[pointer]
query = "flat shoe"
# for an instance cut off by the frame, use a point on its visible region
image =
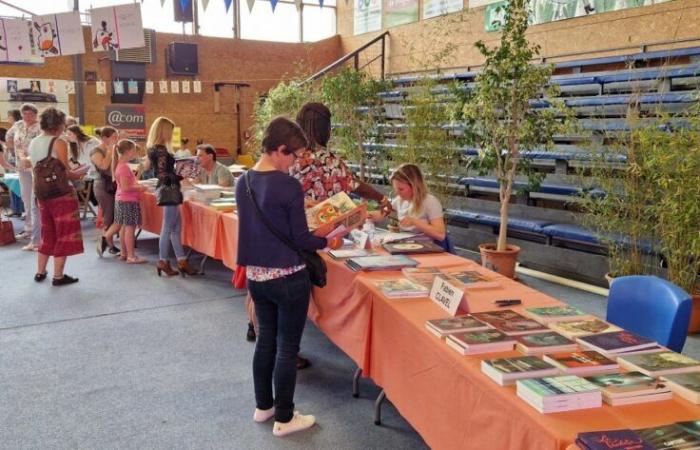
(65, 279)
(39, 277)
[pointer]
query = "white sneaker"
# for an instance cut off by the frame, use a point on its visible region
(298, 423)
(263, 415)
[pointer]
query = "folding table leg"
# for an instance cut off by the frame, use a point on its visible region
(356, 383)
(378, 408)
(201, 265)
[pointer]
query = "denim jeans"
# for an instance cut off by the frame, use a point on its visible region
(170, 233)
(280, 307)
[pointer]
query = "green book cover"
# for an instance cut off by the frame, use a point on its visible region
(546, 339)
(669, 437)
(655, 362)
(689, 381)
(626, 383)
(481, 337)
(556, 311)
(520, 364)
(562, 385)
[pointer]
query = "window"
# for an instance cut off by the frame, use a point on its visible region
(261, 24)
(215, 21)
(319, 23)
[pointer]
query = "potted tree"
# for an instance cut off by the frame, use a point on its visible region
(502, 121)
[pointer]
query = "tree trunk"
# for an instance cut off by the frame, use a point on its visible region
(505, 193)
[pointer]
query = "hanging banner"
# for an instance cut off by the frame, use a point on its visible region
(399, 12)
(116, 27)
(16, 42)
(129, 119)
(43, 93)
(367, 16)
(58, 34)
(434, 8)
(249, 2)
(228, 4)
(205, 3)
(118, 87)
(273, 3)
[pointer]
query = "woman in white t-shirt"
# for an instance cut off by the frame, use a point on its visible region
(418, 210)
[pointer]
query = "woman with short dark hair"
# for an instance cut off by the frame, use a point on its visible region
(105, 188)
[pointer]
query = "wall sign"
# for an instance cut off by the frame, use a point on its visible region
(129, 119)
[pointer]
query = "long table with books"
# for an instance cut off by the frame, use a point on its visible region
(445, 395)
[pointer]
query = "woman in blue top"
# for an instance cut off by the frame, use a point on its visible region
(277, 278)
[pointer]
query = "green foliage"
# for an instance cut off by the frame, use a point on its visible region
(499, 116)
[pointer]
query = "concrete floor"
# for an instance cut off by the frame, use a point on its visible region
(127, 360)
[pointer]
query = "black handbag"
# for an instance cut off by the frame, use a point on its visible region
(168, 194)
(315, 265)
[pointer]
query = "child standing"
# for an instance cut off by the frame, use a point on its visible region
(417, 209)
(127, 211)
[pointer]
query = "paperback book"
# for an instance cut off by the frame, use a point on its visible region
(580, 328)
(422, 275)
(333, 212)
(451, 325)
(510, 322)
(353, 252)
(506, 370)
(562, 393)
(546, 342)
(401, 288)
(187, 167)
(552, 314)
(616, 342)
(469, 279)
(669, 437)
(612, 440)
(381, 262)
(630, 387)
(485, 341)
(585, 362)
(659, 364)
(686, 385)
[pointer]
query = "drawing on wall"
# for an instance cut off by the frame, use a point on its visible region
(11, 86)
(117, 27)
(25, 90)
(58, 34)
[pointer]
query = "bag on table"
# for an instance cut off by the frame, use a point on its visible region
(51, 177)
(7, 232)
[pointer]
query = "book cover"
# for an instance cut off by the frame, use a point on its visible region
(521, 364)
(381, 262)
(480, 337)
(556, 386)
(669, 437)
(581, 359)
(457, 324)
(556, 313)
(410, 247)
(628, 384)
(660, 363)
(188, 167)
(401, 288)
(422, 275)
(691, 426)
(509, 321)
(616, 341)
(583, 327)
(612, 440)
(687, 385)
(544, 340)
(464, 276)
(342, 253)
(333, 212)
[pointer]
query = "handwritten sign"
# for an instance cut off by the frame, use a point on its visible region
(446, 295)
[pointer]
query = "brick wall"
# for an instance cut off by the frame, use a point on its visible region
(412, 46)
(261, 64)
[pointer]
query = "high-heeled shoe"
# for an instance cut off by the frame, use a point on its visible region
(164, 266)
(185, 268)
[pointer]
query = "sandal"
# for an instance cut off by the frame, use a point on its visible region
(39, 277)
(135, 260)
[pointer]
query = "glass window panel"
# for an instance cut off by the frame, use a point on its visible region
(261, 24)
(319, 23)
(215, 21)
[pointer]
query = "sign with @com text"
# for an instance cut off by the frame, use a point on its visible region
(446, 295)
(130, 120)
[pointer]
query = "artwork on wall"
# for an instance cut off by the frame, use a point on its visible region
(367, 15)
(434, 8)
(43, 93)
(16, 43)
(116, 27)
(58, 34)
(399, 12)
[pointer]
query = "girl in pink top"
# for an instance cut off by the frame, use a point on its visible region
(127, 211)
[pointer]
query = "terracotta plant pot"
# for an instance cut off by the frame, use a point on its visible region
(501, 262)
(694, 324)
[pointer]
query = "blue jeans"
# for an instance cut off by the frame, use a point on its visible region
(170, 233)
(280, 307)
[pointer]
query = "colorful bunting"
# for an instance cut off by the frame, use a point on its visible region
(205, 3)
(186, 87)
(175, 87)
(118, 87)
(228, 4)
(132, 87)
(273, 3)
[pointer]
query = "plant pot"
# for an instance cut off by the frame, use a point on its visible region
(694, 324)
(501, 262)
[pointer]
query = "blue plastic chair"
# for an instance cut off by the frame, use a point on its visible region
(651, 307)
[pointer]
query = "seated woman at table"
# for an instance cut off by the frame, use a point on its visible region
(105, 188)
(417, 209)
(277, 277)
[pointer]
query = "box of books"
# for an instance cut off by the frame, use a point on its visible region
(510, 322)
(659, 364)
(551, 314)
(562, 393)
(546, 342)
(584, 362)
(506, 370)
(338, 210)
(616, 342)
(686, 385)
(579, 328)
(485, 341)
(401, 288)
(451, 325)
(612, 440)
(630, 388)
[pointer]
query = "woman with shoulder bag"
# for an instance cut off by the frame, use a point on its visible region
(57, 201)
(168, 196)
(272, 229)
(106, 188)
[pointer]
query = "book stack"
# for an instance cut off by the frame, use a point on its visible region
(552, 314)
(630, 388)
(625, 439)
(617, 343)
(422, 275)
(507, 370)
(685, 385)
(205, 193)
(556, 394)
(451, 325)
(352, 252)
(659, 364)
(585, 362)
(579, 328)
(223, 204)
(382, 262)
(510, 322)
(401, 288)
(546, 342)
(485, 341)
(669, 437)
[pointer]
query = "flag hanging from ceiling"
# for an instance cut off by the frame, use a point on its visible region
(228, 4)
(116, 27)
(273, 3)
(205, 3)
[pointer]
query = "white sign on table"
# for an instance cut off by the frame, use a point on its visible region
(446, 295)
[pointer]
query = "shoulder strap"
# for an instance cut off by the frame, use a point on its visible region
(48, 154)
(258, 212)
